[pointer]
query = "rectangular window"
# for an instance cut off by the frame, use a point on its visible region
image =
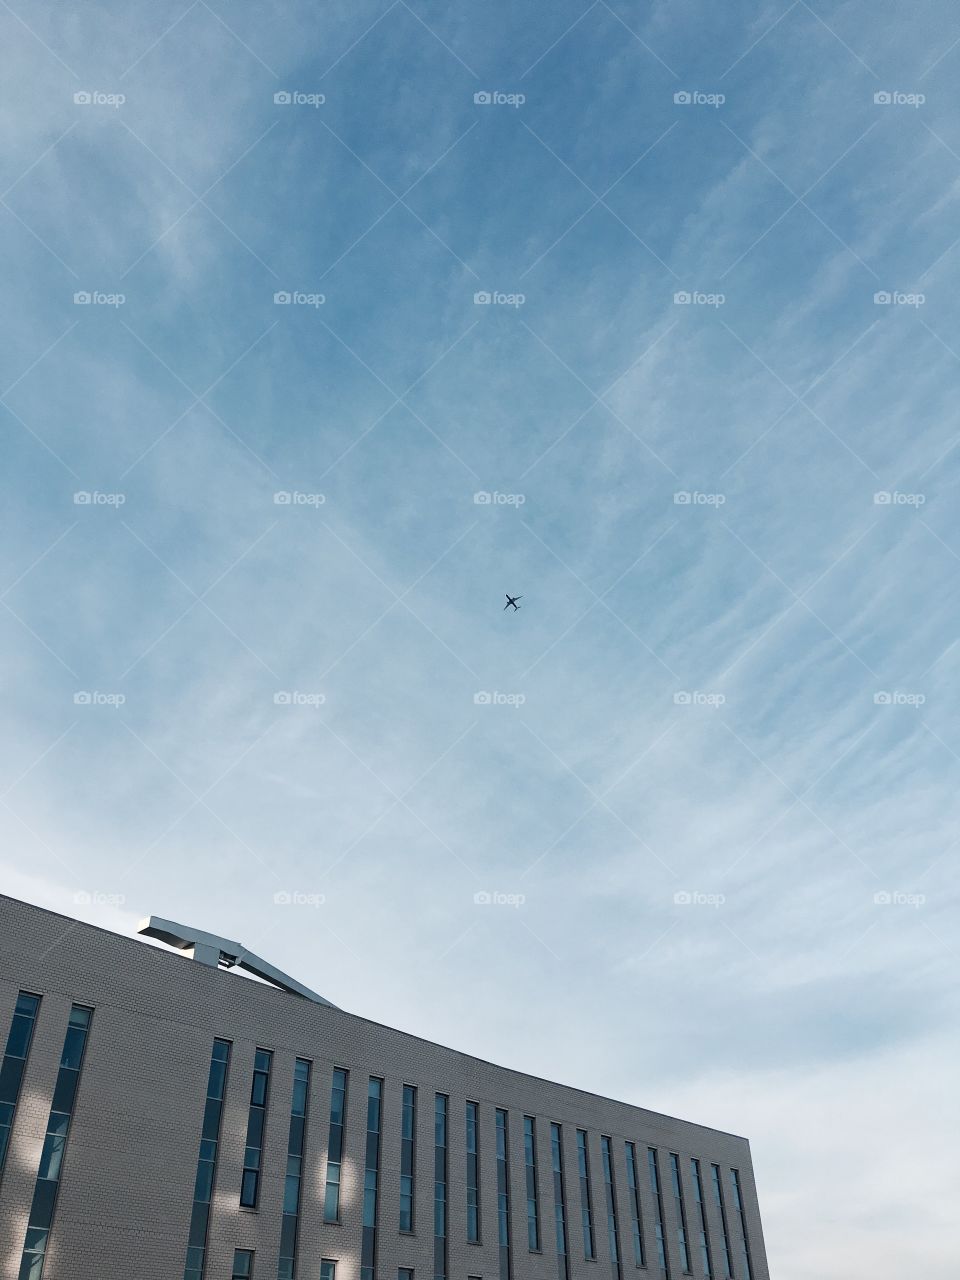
(681, 1211)
(207, 1162)
(706, 1253)
(242, 1264)
(636, 1213)
(721, 1206)
(328, 1269)
(744, 1236)
(55, 1144)
(473, 1173)
(287, 1268)
(613, 1227)
(440, 1117)
(408, 1155)
(256, 1120)
(14, 1065)
(654, 1166)
(338, 1102)
(371, 1179)
(586, 1199)
(405, 1273)
(559, 1201)
(533, 1199)
(503, 1193)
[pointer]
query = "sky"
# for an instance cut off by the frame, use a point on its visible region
(327, 326)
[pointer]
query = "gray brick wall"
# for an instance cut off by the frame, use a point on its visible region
(127, 1181)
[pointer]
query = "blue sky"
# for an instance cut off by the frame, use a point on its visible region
(710, 778)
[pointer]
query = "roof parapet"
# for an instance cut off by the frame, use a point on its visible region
(209, 949)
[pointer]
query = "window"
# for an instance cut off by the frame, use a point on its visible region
(256, 1119)
(408, 1148)
(338, 1101)
(721, 1206)
(207, 1162)
(473, 1173)
(533, 1201)
(287, 1268)
(440, 1116)
(405, 1273)
(706, 1255)
(586, 1202)
(681, 1211)
(744, 1236)
(559, 1201)
(14, 1064)
(54, 1144)
(636, 1214)
(613, 1228)
(371, 1179)
(242, 1264)
(503, 1193)
(654, 1165)
(328, 1269)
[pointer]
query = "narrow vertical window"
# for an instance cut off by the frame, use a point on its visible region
(559, 1201)
(371, 1179)
(744, 1236)
(706, 1253)
(408, 1150)
(613, 1227)
(338, 1100)
(533, 1200)
(440, 1116)
(328, 1269)
(654, 1165)
(405, 1273)
(473, 1173)
(14, 1065)
(681, 1211)
(721, 1206)
(636, 1213)
(256, 1119)
(287, 1268)
(207, 1162)
(242, 1264)
(55, 1144)
(503, 1193)
(586, 1199)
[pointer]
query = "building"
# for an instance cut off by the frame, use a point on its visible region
(162, 1118)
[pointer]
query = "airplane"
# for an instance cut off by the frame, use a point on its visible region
(512, 600)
